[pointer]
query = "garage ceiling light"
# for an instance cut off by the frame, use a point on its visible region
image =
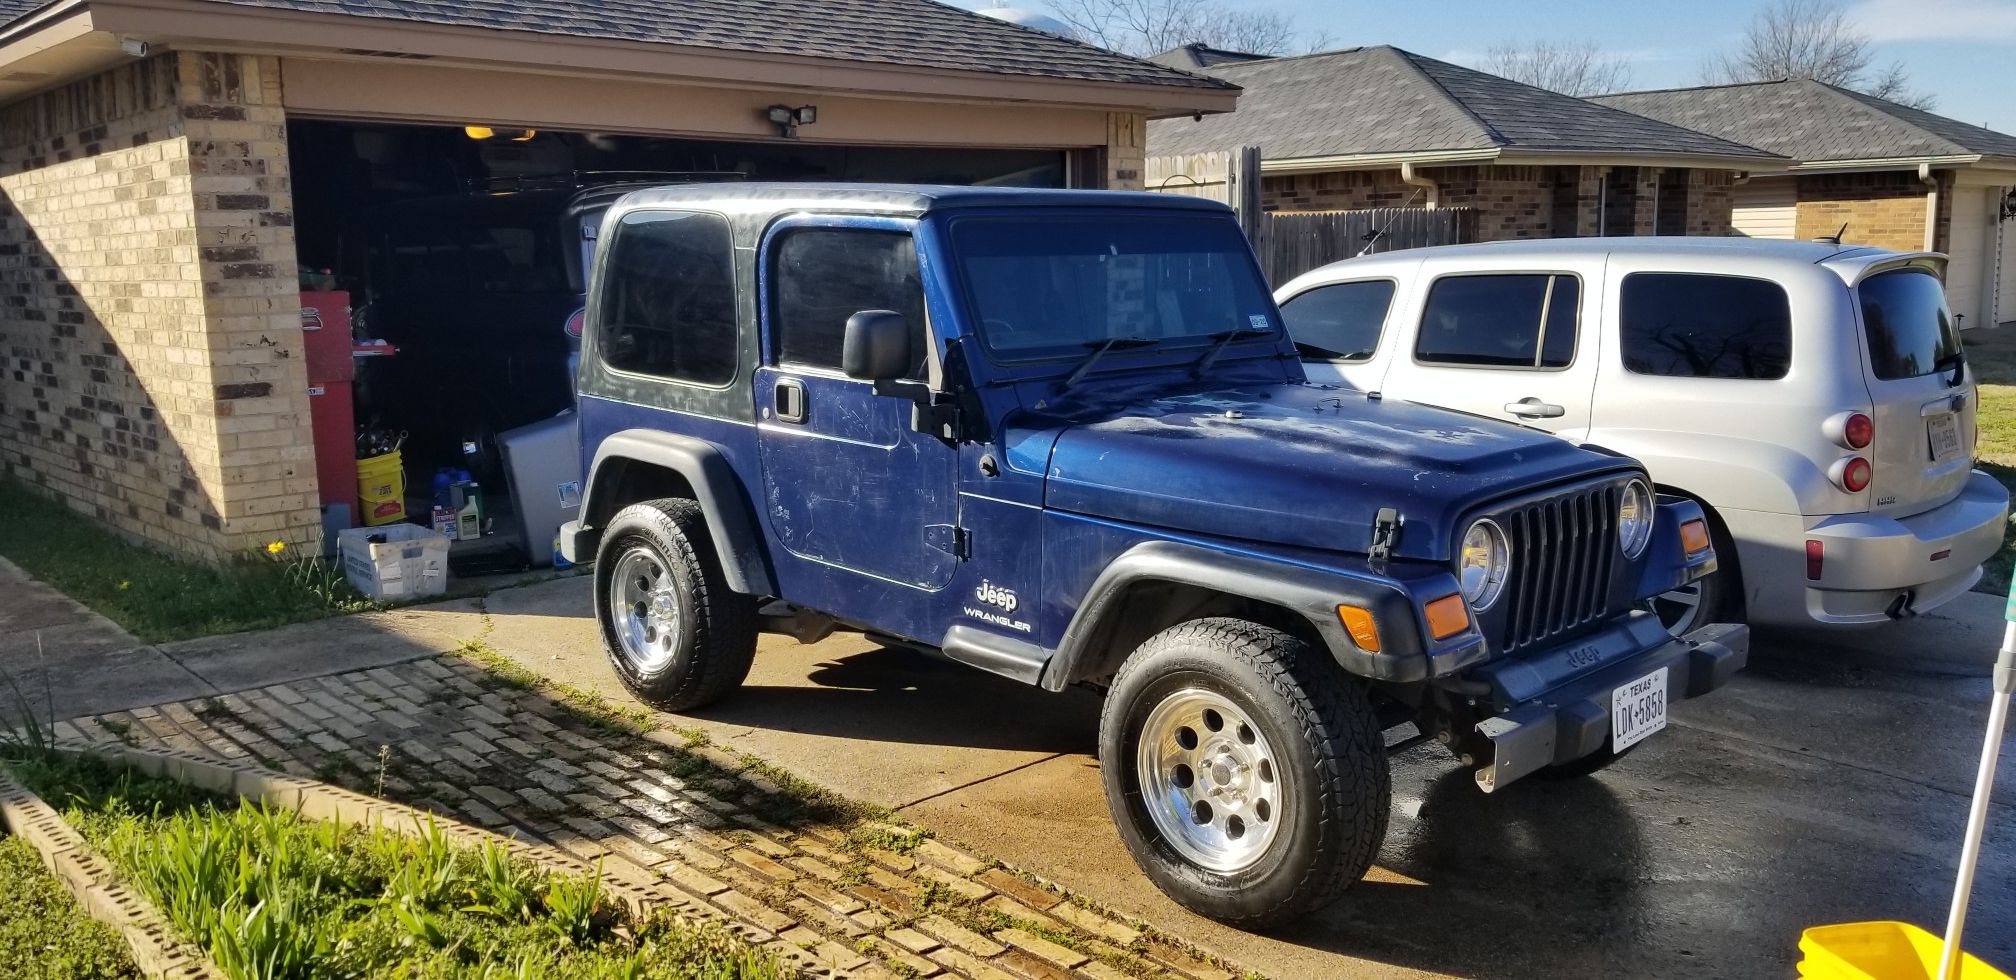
(490, 132)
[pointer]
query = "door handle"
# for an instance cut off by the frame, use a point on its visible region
(789, 398)
(1533, 408)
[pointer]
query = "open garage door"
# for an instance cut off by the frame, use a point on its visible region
(464, 250)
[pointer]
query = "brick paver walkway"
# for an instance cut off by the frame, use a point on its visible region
(869, 899)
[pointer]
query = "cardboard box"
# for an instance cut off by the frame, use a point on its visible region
(405, 561)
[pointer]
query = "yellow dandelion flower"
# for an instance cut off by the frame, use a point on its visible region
(276, 547)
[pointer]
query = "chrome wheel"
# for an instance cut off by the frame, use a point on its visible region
(1209, 782)
(645, 608)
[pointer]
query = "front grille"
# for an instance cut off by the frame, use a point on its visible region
(1564, 548)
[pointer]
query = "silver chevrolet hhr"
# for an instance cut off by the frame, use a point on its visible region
(1813, 397)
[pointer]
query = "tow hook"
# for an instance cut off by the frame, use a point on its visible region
(1903, 607)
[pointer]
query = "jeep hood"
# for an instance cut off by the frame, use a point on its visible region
(1298, 464)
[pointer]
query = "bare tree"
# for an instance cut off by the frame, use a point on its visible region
(1144, 27)
(1575, 68)
(1811, 39)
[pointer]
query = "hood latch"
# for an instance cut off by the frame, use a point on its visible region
(1385, 535)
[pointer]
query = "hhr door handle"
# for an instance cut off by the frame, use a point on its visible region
(789, 396)
(1534, 408)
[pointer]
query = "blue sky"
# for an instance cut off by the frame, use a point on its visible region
(1964, 51)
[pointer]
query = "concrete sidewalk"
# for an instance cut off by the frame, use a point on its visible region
(1826, 784)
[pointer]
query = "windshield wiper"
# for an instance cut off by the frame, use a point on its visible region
(1224, 339)
(1099, 349)
(1955, 362)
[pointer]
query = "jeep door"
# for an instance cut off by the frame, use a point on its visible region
(1518, 344)
(848, 481)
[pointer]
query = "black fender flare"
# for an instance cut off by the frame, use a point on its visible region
(1311, 593)
(723, 498)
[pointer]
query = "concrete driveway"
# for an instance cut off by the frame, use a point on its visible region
(1827, 784)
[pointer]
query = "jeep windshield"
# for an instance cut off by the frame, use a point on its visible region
(1050, 287)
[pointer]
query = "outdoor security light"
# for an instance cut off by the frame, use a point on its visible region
(787, 119)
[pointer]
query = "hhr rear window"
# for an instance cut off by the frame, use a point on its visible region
(1685, 325)
(1909, 329)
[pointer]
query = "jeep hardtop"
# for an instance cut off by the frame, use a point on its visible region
(1062, 436)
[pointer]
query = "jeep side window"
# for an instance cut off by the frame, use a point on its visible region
(1521, 320)
(668, 300)
(825, 275)
(1683, 325)
(1339, 322)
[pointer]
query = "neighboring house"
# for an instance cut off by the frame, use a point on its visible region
(1382, 127)
(162, 162)
(1203, 57)
(1873, 171)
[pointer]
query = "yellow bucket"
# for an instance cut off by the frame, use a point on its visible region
(381, 489)
(1880, 951)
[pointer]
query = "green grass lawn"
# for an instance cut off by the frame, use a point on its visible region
(1994, 362)
(270, 895)
(155, 596)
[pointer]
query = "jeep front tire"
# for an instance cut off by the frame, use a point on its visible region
(677, 636)
(1245, 771)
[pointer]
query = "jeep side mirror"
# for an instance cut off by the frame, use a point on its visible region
(876, 346)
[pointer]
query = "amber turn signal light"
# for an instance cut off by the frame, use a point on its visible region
(1694, 537)
(1448, 616)
(1359, 623)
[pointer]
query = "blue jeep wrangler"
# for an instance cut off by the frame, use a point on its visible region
(1062, 436)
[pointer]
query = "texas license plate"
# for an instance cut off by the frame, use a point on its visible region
(1943, 431)
(1637, 710)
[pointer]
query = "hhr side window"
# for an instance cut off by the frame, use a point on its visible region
(1523, 320)
(668, 306)
(825, 275)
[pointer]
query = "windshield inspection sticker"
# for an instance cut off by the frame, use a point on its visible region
(1258, 320)
(1003, 600)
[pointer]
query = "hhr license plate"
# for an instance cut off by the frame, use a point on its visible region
(1637, 710)
(1944, 433)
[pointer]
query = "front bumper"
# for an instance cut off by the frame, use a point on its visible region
(1554, 707)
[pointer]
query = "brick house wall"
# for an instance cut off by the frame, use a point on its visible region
(1521, 202)
(1885, 209)
(149, 316)
(1126, 150)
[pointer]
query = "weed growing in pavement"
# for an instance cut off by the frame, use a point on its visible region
(384, 767)
(886, 837)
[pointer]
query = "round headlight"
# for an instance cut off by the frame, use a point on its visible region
(1634, 518)
(1483, 564)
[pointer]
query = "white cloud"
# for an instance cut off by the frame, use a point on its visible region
(1990, 21)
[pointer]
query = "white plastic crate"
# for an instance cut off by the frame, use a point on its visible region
(395, 562)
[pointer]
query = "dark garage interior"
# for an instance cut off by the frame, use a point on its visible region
(451, 259)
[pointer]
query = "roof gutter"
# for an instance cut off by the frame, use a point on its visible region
(1410, 178)
(1884, 163)
(1376, 161)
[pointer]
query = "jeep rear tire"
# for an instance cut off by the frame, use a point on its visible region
(1245, 771)
(677, 636)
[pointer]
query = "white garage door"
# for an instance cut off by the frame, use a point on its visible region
(1765, 209)
(1968, 251)
(2005, 284)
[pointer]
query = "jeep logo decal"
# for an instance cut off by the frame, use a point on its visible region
(995, 595)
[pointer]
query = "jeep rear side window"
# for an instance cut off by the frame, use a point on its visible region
(1523, 320)
(825, 275)
(1684, 325)
(668, 299)
(1341, 321)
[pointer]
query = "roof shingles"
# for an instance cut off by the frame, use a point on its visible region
(913, 33)
(1383, 100)
(1813, 123)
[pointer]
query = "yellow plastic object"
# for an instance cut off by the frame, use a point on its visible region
(1880, 951)
(381, 489)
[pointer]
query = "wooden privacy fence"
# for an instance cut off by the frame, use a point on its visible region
(1293, 243)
